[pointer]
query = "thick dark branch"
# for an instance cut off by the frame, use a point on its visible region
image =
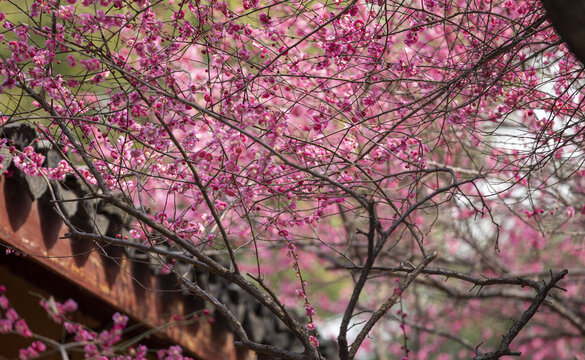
(504, 348)
(562, 309)
(384, 235)
(342, 337)
(270, 350)
(239, 329)
(454, 274)
(377, 315)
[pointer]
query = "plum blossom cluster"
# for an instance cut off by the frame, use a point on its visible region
(56, 310)
(31, 163)
(10, 321)
(103, 345)
(32, 351)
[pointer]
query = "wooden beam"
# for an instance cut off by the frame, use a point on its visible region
(32, 228)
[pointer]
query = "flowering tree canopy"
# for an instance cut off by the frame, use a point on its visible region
(359, 160)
